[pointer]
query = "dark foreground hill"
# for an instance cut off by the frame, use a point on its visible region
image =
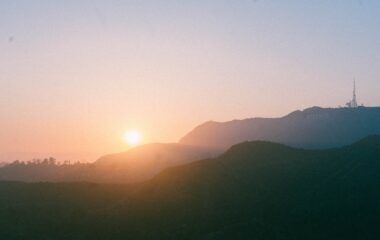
(312, 128)
(256, 190)
(137, 164)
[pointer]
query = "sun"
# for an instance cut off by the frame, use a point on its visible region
(132, 137)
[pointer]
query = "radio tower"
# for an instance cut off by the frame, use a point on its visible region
(353, 103)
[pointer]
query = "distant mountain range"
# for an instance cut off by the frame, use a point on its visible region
(255, 190)
(135, 165)
(313, 128)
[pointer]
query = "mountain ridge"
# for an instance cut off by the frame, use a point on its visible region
(312, 128)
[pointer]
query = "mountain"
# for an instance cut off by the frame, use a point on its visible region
(255, 190)
(313, 128)
(137, 164)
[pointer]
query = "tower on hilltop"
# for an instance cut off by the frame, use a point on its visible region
(353, 103)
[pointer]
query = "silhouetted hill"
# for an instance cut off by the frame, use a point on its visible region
(137, 164)
(312, 128)
(143, 162)
(255, 190)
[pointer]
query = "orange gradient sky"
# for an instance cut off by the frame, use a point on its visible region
(75, 75)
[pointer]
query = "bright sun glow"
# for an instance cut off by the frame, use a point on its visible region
(132, 137)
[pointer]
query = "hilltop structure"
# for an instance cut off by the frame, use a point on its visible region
(353, 103)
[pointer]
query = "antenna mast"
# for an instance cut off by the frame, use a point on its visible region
(354, 101)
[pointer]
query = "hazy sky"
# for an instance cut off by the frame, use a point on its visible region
(76, 74)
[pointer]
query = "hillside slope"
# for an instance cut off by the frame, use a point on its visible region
(143, 162)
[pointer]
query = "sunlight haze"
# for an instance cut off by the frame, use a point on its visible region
(75, 74)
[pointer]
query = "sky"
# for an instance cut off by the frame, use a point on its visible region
(76, 74)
